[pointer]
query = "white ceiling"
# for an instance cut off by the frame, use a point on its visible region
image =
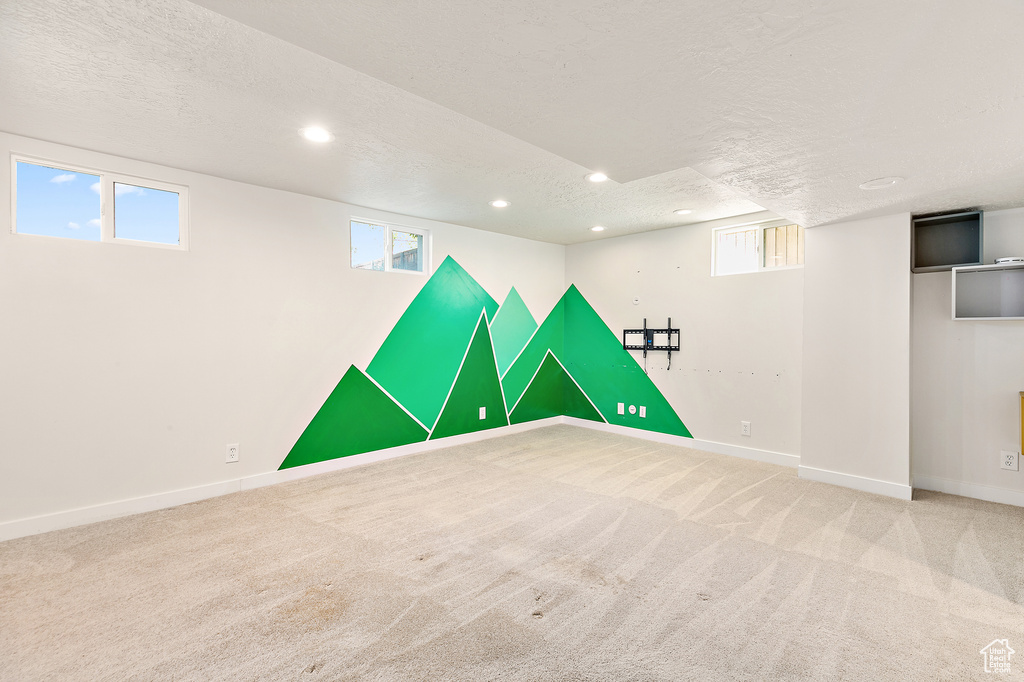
(438, 107)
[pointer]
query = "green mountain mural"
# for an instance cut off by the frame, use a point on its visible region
(442, 362)
(593, 355)
(552, 392)
(548, 336)
(477, 385)
(341, 427)
(511, 329)
(420, 357)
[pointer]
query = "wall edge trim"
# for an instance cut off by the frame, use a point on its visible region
(315, 468)
(868, 485)
(81, 516)
(977, 491)
(741, 451)
(44, 523)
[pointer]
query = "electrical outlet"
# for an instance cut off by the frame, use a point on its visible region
(744, 428)
(483, 413)
(632, 409)
(622, 408)
(643, 412)
(232, 453)
(1009, 460)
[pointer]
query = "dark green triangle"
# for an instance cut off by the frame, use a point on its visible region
(420, 357)
(552, 393)
(357, 417)
(476, 386)
(511, 329)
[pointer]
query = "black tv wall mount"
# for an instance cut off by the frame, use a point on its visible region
(652, 339)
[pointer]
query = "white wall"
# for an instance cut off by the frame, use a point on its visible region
(856, 355)
(966, 379)
(740, 343)
(125, 370)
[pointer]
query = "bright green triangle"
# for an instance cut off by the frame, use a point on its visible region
(608, 374)
(357, 417)
(511, 329)
(551, 393)
(420, 357)
(476, 386)
(593, 355)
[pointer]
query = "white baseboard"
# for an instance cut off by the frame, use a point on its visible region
(976, 490)
(76, 517)
(868, 485)
(741, 451)
(306, 470)
(45, 523)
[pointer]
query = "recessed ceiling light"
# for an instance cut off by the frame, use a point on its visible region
(316, 134)
(597, 177)
(499, 203)
(881, 183)
(683, 211)
(597, 228)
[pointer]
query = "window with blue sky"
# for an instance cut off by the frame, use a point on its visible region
(60, 202)
(57, 203)
(145, 214)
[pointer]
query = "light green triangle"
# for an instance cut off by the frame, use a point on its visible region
(551, 393)
(511, 329)
(420, 357)
(356, 417)
(477, 386)
(548, 336)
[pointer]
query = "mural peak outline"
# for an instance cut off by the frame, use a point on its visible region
(478, 366)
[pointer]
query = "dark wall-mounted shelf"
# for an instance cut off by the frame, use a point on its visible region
(942, 242)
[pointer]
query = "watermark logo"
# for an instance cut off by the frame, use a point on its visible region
(997, 656)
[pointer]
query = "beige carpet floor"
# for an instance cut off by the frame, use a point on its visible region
(559, 554)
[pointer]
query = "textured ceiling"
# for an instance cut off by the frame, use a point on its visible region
(439, 107)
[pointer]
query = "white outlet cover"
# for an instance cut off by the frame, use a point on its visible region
(231, 453)
(622, 408)
(643, 412)
(483, 413)
(1012, 455)
(632, 409)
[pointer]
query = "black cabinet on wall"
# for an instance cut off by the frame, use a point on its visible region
(942, 242)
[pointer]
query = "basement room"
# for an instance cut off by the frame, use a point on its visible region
(512, 341)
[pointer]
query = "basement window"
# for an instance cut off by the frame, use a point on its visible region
(378, 246)
(757, 247)
(71, 202)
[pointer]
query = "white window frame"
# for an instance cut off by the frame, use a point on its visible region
(389, 243)
(107, 180)
(761, 226)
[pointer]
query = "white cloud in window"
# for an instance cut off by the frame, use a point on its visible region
(95, 222)
(74, 226)
(63, 177)
(95, 187)
(120, 190)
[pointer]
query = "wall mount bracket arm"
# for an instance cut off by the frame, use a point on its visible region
(652, 339)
